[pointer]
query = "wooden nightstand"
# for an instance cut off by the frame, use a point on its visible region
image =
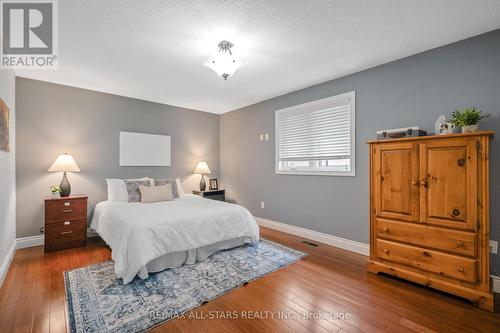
(65, 222)
(212, 194)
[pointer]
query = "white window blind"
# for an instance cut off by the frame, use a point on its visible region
(316, 137)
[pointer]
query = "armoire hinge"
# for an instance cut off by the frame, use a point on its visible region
(477, 145)
(478, 224)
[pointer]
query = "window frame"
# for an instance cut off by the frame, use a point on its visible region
(310, 105)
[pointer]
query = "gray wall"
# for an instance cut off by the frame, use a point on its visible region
(408, 92)
(7, 175)
(52, 119)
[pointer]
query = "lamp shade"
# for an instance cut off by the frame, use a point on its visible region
(202, 168)
(64, 163)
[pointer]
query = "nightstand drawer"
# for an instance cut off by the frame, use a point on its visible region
(66, 231)
(59, 210)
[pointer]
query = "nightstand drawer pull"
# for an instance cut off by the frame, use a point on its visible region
(67, 223)
(66, 232)
(67, 210)
(67, 204)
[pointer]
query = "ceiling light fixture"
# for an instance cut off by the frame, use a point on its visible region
(224, 63)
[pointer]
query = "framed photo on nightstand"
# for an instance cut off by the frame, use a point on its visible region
(214, 184)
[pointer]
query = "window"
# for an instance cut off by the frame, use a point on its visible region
(317, 138)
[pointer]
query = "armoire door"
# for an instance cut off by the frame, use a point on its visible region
(395, 176)
(448, 177)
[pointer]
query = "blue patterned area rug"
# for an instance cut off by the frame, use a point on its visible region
(99, 302)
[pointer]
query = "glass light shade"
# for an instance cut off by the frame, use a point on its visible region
(224, 64)
(202, 168)
(64, 163)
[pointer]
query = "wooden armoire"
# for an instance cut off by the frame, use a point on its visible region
(429, 207)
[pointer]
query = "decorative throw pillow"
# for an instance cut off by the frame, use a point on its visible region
(134, 194)
(171, 182)
(156, 193)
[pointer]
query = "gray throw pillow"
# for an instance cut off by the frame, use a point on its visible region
(171, 182)
(134, 194)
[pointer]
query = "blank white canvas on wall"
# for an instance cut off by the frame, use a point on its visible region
(139, 149)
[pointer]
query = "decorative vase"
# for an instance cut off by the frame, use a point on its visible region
(470, 129)
(55, 195)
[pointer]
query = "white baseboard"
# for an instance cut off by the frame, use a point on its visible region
(31, 241)
(4, 268)
(38, 240)
(346, 244)
(496, 283)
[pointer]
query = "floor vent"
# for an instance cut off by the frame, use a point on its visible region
(310, 243)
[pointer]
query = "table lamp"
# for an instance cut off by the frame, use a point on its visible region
(202, 168)
(64, 163)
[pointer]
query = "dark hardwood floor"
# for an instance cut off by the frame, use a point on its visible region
(328, 281)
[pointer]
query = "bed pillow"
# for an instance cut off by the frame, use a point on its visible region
(134, 194)
(172, 183)
(156, 193)
(180, 190)
(117, 190)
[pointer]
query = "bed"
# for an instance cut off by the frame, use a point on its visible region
(146, 238)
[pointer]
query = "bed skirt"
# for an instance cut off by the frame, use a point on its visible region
(176, 259)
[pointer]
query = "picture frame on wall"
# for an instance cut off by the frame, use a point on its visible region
(4, 126)
(214, 184)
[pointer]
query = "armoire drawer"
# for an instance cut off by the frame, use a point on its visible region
(458, 242)
(432, 261)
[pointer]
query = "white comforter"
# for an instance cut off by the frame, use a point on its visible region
(138, 233)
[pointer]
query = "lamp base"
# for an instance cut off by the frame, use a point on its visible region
(203, 184)
(65, 186)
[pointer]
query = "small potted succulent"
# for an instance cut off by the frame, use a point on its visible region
(468, 119)
(55, 191)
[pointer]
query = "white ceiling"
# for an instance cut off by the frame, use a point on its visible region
(154, 50)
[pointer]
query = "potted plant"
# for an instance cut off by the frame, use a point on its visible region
(467, 119)
(55, 190)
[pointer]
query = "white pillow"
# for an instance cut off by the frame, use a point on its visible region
(179, 187)
(117, 190)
